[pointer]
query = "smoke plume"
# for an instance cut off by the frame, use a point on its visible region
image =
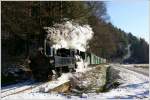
(128, 52)
(69, 35)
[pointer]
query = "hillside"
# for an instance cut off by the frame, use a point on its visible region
(112, 43)
(22, 30)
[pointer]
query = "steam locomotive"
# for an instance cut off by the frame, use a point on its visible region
(49, 61)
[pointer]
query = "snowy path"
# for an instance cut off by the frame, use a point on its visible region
(135, 84)
(144, 71)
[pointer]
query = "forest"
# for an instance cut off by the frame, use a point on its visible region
(22, 30)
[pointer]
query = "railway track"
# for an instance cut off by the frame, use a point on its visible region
(23, 89)
(14, 86)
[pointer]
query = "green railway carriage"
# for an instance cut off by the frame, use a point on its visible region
(92, 58)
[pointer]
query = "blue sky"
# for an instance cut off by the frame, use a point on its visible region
(130, 16)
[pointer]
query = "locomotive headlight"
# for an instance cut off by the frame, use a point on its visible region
(51, 61)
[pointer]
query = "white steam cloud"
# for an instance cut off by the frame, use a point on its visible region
(69, 35)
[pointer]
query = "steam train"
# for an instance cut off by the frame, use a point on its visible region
(49, 61)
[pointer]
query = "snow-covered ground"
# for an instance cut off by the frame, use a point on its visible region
(35, 87)
(134, 85)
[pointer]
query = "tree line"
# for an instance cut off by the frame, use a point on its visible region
(22, 28)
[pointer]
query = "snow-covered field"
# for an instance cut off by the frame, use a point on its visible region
(134, 85)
